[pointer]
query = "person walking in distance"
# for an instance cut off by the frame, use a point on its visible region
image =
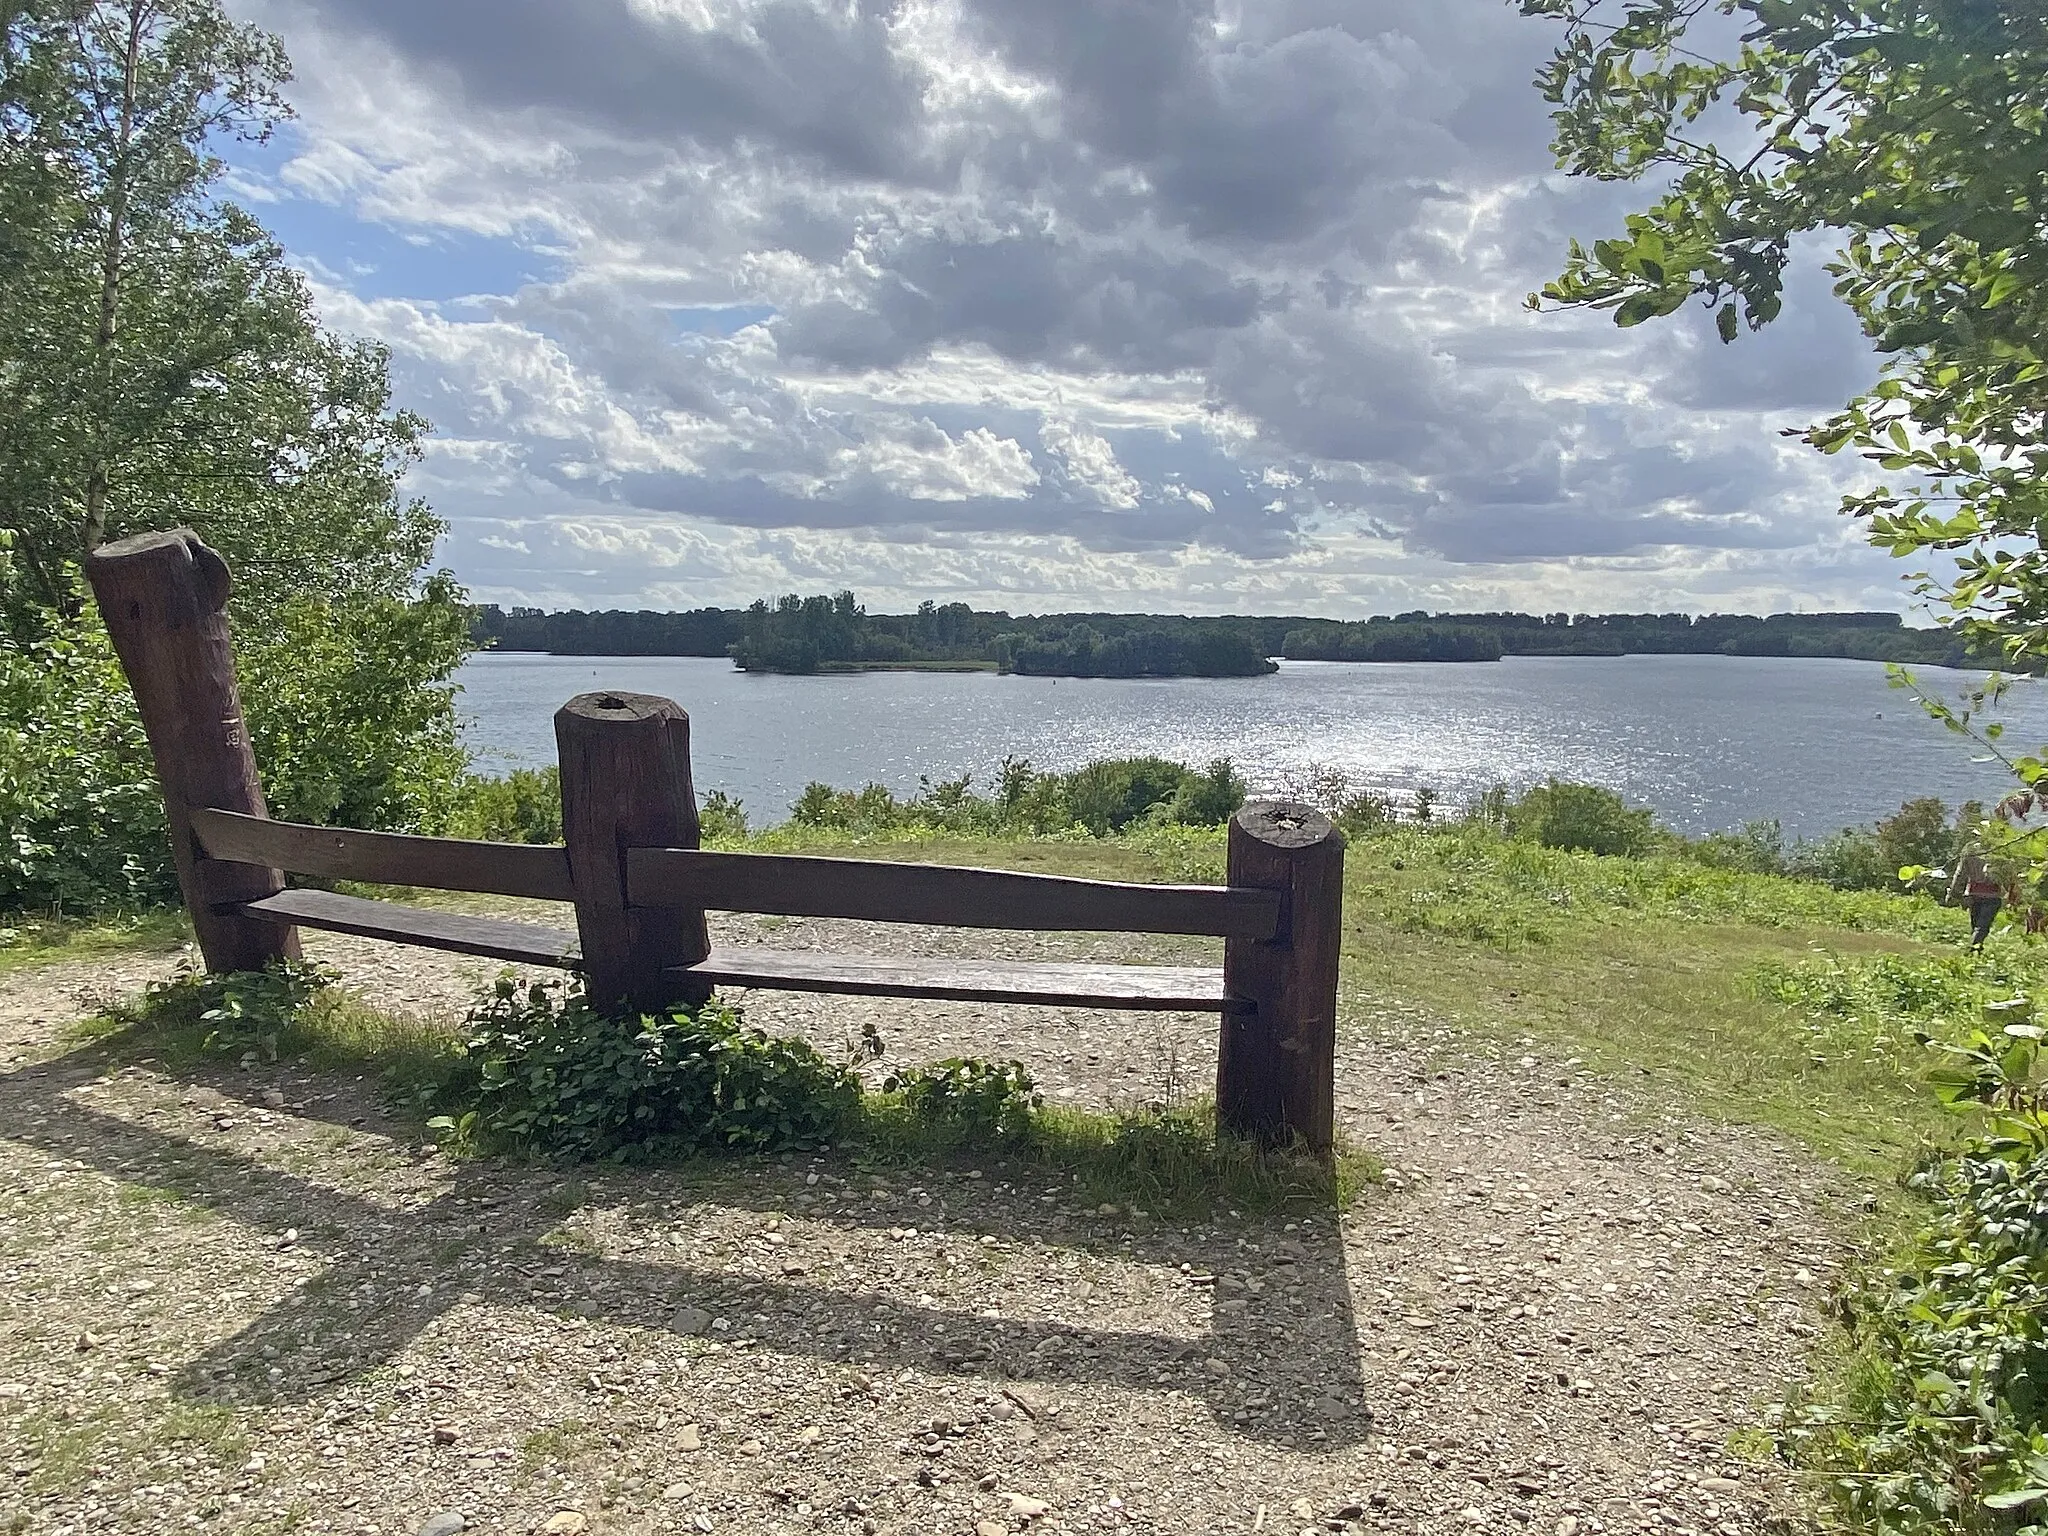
(1977, 883)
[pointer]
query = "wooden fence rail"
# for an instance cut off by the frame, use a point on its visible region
(631, 867)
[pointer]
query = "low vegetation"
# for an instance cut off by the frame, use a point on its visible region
(535, 1073)
(1797, 987)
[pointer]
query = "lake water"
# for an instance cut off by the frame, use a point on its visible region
(1709, 741)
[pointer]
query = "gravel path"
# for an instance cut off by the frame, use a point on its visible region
(247, 1302)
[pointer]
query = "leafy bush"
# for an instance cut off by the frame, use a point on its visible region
(1365, 814)
(234, 1014)
(1920, 833)
(1849, 860)
(983, 1099)
(1754, 848)
(1583, 818)
(550, 1075)
(349, 711)
(1101, 797)
(1940, 1424)
(525, 806)
(722, 818)
(81, 823)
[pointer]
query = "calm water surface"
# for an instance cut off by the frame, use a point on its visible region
(1710, 741)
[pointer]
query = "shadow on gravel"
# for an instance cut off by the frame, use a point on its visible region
(1280, 1364)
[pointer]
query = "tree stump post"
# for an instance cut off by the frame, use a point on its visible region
(1276, 1065)
(626, 784)
(164, 596)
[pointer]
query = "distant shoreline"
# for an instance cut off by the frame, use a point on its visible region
(809, 635)
(996, 669)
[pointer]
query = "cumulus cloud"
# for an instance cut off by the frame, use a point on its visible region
(1202, 304)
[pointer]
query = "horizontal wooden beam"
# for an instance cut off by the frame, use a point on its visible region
(941, 895)
(386, 858)
(1145, 988)
(492, 938)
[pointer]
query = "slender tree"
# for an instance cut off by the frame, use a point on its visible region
(160, 362)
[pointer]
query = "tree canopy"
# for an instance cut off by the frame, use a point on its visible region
(1914, 135)
(160, 361)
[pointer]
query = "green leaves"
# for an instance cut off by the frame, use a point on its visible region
(1912, 133)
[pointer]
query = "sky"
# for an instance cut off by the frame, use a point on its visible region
(1198, 306)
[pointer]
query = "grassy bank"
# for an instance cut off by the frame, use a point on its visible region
(1755, 998)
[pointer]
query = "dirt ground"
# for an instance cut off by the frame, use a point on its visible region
(249, 1302)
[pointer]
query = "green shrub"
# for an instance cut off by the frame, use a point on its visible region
(1101, 798)
(525, 806)
(982, 1099)
(1941, 1424)
(1365, 814)
(349, 710)
(722, 818)
(549, 1075)
(1754, 848)
(1581, 818)
(1208, 798)
(1920, 833)
(233, 1014)
(81, 823)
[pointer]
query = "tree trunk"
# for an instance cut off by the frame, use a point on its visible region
(112, 255)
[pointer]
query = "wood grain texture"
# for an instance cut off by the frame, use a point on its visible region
(626, 784)
(942, 895)
(1276, 1066)
(1148, 988)
(492, 938)
(388, 858)
(163, 597)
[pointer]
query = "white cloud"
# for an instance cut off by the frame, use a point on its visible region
(1248, 278)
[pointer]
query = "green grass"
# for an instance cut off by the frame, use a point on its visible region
(30, 941)
(1658, 969)
(1169, 1163)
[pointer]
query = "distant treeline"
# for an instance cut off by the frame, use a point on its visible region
(1489, 636)
(822, 634)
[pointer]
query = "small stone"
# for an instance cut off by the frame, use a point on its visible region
(569, 1522)
(89, 1340)
(275, 1099)
(1024, 1507)
(750, 1447)
(990, 1528)
(1568, 1526)
(1302, 1509)
(810, 1436)
(690, 1438)
(446, 1523)
(1105, 1209)
(1719, 1485)
(676, 1491)
(690, 1321)
(446, 1434)
(1474, 1515)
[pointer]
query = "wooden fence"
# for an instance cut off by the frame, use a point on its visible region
(631, 866)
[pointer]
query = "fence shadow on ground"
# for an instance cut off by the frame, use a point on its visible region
(1278, 1366)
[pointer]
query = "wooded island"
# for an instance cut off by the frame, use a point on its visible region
(837, 634)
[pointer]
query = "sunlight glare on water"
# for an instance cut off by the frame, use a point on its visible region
(1709, 741)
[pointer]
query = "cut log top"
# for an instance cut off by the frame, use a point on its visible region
(1283, 824)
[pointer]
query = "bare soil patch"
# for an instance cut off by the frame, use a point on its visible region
(251, 1302)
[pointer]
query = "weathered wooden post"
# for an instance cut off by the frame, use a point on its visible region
(1276, 1065)
(626, 784)
(164, 596)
